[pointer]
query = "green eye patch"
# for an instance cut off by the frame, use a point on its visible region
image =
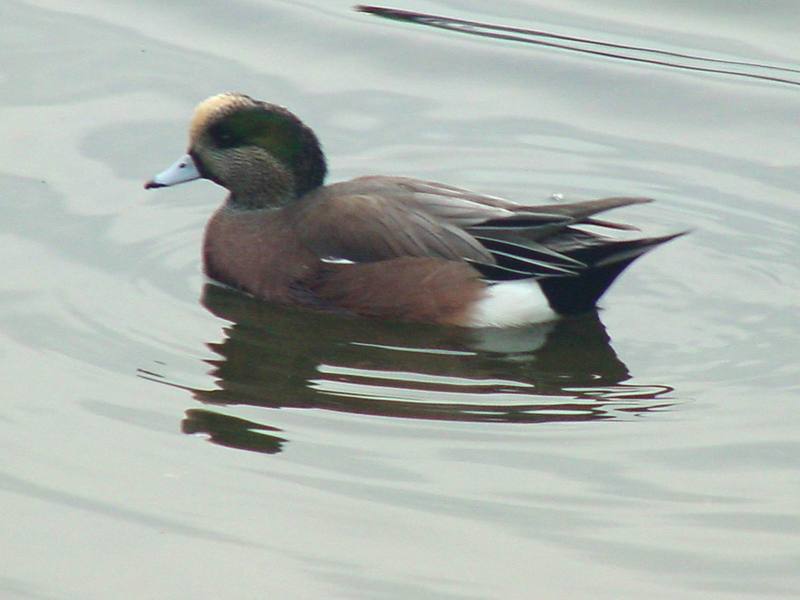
(279, 133)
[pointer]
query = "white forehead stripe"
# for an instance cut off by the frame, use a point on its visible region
(208, 108)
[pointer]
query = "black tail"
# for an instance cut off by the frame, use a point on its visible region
(604, 262)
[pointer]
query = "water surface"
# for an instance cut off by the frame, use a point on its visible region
(649, 450)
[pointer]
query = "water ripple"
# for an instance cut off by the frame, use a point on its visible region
(595, 47)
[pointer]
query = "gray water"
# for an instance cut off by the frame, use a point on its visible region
(651, 450)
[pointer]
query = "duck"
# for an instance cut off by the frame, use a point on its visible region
(387, 247)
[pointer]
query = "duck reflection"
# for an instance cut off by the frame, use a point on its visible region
(281, 357)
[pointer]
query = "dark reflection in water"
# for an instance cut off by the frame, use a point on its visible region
(640, 54)
(232, 432)
(279, 357)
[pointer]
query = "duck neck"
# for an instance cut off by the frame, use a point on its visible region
(258, 200)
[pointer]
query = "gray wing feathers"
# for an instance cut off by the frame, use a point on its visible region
(367, 228)
(465, 208)
(460, 211)
(377, 218)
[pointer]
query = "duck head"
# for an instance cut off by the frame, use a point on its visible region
(262, 153)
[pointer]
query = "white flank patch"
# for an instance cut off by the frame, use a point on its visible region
(333, 260)
(512, 303)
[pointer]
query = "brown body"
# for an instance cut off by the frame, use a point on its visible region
(260, 253)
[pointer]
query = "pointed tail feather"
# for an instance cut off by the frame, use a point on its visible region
(571, 295)
(579, 211)
(540, 222)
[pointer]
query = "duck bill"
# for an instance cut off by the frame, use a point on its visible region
(181, 171)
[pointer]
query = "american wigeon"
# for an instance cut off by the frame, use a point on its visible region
(391, 247)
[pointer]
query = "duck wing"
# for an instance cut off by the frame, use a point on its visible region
(465, 208)
(366, 226)
(378, 218)
(455, 206)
